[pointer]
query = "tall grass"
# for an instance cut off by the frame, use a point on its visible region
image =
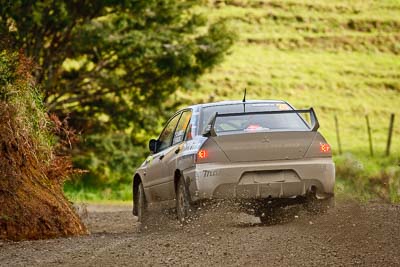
(368, 178)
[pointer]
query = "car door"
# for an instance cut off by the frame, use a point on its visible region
(154, 171)
(169, 161)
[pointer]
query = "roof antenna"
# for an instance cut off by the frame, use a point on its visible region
(244, 101)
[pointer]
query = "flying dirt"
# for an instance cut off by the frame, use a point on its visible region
(217, 235)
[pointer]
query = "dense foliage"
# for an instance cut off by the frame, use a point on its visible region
(110, 65)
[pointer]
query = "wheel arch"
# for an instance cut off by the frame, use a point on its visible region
(136, 181)
(135, 185)
(177, 176)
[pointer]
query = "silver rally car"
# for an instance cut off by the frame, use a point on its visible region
(260, 152)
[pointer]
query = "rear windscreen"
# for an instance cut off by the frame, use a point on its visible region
(253, 122)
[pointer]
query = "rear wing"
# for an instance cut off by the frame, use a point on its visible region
(210, 131)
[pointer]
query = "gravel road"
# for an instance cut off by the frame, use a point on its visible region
(349, 234)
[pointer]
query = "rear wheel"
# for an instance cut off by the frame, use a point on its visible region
(182, 202)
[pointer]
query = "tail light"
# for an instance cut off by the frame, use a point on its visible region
(210, 152)
(324, 148)
(202, 154)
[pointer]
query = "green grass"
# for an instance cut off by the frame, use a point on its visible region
(320, 80)
(366, 178)
(340, 57)
(80, 193)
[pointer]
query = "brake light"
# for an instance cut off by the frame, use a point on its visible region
(324, 148)
(202, 154)
(253, 127)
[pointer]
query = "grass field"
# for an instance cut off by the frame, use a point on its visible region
(340, 57)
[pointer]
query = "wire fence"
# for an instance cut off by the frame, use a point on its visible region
(389, 138)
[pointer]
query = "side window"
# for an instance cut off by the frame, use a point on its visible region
(182, 126)
(167, 134)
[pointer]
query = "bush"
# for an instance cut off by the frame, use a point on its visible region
(110, 161)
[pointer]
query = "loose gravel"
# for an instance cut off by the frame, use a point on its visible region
(349, 234)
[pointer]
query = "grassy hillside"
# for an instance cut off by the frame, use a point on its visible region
(341, 57)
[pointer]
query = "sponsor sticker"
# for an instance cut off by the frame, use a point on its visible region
(210, 173)
(282, 106)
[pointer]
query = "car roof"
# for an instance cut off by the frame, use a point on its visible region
(232, 102)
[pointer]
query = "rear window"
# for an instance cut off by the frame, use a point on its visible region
(253, 122)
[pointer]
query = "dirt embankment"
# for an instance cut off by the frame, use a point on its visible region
(32, 203)
(349, 234)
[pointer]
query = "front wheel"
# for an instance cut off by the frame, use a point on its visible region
(182, 202)
(140, 203)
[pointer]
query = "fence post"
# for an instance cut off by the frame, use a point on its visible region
(371, 148)
(337, 135)
(390, 134)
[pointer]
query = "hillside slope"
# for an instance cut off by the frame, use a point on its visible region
(341, 57)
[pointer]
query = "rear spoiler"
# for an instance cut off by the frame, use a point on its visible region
(210, 131)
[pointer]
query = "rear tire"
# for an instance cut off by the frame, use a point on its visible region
(182, 202)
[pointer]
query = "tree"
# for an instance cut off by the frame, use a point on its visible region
(110, 65)
(113, 58)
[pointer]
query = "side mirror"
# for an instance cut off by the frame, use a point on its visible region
(153, 145)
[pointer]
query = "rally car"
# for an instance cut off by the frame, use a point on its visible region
(264, 152)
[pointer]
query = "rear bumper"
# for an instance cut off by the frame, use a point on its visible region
(275, 179)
